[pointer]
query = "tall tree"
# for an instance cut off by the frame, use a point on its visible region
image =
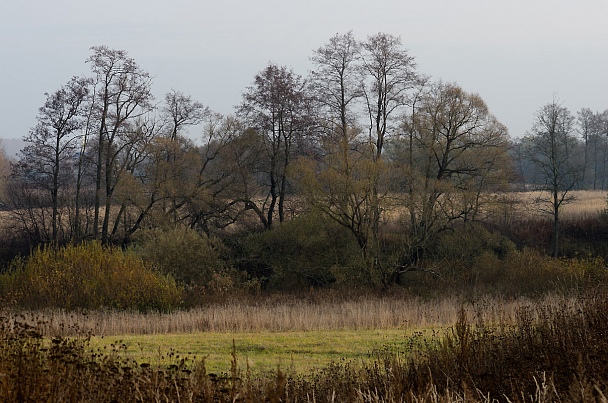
(123, 95)
(593, 128)
(335, 85)
(600, 136)
(453, 154)
(585, 118)
(276, 107)
(330, 183)
(388, 75)
(5, 172)
(180, 110)
(553, 150)
(351, 181)
(47, 159)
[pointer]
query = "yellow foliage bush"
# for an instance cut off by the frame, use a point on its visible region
(87, 276)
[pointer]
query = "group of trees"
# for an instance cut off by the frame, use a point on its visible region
(562, 153)
(367, 140)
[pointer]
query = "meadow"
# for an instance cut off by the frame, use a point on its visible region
(522, 329)
(544, 350)
(299, 334)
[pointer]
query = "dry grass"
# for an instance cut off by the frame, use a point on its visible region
(585, 204)
(553, 351)
(290, 314)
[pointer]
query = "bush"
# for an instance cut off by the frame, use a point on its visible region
(189, 257)
(87, 276)
(526, 273)
(469, 241)
(197, 262)
(308, 250)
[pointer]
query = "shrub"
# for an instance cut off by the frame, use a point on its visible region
(197, 262)
(308, 250)
(87, 276)
(526, 273)
(469, 241)
(189, 257)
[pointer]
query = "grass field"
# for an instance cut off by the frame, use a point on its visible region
(297, 335)
(294, 352)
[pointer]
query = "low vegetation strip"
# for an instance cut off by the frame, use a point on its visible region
(293, 352)
(549, 353)
(318, 312)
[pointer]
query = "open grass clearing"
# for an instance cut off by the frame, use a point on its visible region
(295, 335)
(299, 352)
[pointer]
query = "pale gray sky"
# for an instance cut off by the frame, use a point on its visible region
(516, 54)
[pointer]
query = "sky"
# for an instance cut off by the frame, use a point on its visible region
(517, 55)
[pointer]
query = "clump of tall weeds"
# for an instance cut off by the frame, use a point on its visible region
(35, 368)
(553, 352)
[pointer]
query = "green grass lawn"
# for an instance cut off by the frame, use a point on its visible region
(292, 351)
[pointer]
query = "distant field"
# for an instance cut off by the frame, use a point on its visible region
(585, 203)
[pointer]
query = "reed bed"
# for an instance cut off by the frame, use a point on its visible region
(290, 314)
(585, 204)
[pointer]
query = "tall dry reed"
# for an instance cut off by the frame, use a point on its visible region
(553, 351)
(290, 314)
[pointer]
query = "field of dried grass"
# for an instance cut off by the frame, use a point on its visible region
(290, 314)
(584, 204)
(545, 350)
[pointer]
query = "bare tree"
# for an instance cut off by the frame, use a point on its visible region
(585, 124)
(276, 107)
(352, 182)
(388, 74)
(5, 171)
(335, 182)
(124, 94)
(180, 111)
(593, 128)
(46, 161)
(552, 150)
(453, 154)
(600, 149)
